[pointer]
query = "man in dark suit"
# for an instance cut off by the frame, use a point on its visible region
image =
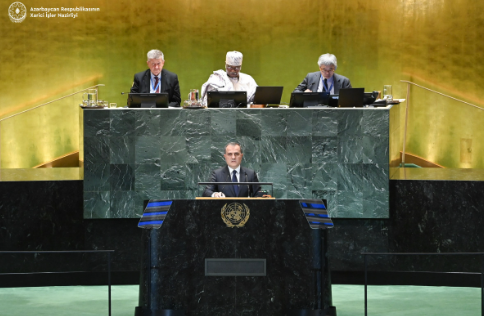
(325, 79)
(233, 172)
(157, 80)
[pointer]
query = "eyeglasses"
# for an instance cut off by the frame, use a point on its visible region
(233, 67)
(327, 70)
(233, 154)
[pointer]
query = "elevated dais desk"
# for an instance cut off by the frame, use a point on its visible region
(342, 155)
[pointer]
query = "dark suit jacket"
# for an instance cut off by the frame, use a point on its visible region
(312, 82)
(223, 175)
(169, 84)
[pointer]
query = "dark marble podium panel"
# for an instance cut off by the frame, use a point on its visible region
(194, 230)
(341, 155)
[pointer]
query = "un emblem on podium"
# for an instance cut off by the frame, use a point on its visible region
(235, 214)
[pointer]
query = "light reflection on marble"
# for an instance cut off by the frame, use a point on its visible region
(197, 123)
(122, 204)
(274, 123)
(173, 176)
(121, 149)
(325, 150)
(96, 149)
(300, 124)
(341, 155)
(122, 123)
(273, 149)
(97, 177)
(122, 177)
(147, 123)
(173, 123)
(325, 176)
(299, 149)
(97, 204)
(147, 149)
(275, 173)
(147, 177)
(197, 173)
(223, 123)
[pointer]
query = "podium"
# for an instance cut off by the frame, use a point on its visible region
(235, 257)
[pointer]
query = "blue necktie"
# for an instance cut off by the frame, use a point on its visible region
(234, 179)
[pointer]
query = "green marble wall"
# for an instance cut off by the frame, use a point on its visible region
(341, 155)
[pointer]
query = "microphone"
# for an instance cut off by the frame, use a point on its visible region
(223, 186)
(249, 188)
(309, 87)
(129, 99)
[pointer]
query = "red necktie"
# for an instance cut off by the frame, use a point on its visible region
(157, 87)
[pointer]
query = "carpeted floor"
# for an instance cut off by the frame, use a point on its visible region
(407, 300)
(348, 299)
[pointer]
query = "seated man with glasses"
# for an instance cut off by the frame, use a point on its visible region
(231, 79)
(232, 172)
(157, 79)
(325, 79)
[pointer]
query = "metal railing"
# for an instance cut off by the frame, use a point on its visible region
(108, 252)
(36, 107)
(365, 254)
(409, 83)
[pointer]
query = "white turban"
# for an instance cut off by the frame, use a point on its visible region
(234, 58)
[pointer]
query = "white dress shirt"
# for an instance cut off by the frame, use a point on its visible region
(330, 84)
(152, 82)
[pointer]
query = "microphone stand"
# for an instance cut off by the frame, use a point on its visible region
(249, 188)
(221, 190)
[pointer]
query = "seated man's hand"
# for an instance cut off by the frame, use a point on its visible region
(218, 195)
(307, 90)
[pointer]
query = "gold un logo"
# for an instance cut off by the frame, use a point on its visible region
(235, 214)
(17, 12)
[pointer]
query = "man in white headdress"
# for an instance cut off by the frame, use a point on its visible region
(231, 79)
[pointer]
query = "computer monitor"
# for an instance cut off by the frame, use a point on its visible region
(308, 99)
(148, 100)
(227, 99)
(268, 95)
(351, 97)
